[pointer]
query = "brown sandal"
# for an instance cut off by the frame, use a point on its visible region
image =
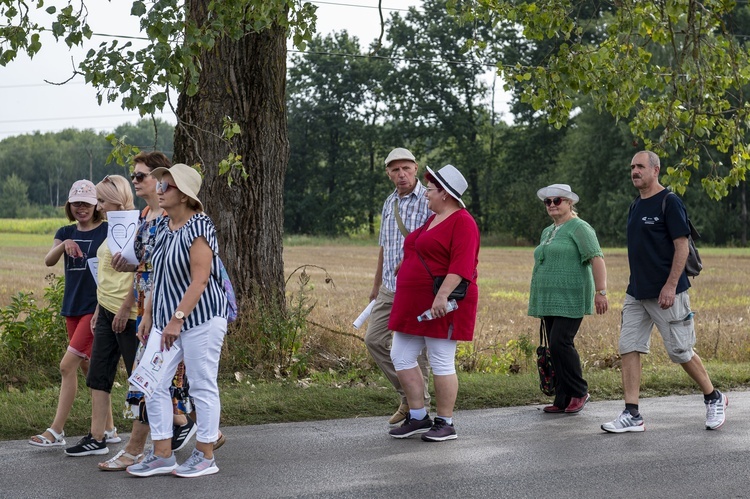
(116, 463)
(222, 440)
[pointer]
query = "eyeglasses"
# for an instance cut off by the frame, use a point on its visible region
(139, 176)
(428, 189)
(163, 186)
(81, 204)
(551, 201)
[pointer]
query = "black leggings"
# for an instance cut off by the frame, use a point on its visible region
(561, 332)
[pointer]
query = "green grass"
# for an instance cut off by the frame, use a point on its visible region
(362, 394)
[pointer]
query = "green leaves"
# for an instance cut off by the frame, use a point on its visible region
(668, 66)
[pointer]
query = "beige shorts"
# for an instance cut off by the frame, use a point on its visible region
(675, 324)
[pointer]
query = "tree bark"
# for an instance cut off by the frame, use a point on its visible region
(245, 80)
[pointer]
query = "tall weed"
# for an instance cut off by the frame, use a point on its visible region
(33, 333)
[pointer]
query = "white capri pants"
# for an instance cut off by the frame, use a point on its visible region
(441, 352)
(200, 348)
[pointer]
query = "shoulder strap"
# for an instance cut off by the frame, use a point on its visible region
(420, 256)
(399, 221)
(693, 231)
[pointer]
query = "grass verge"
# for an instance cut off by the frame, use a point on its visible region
(360, 394)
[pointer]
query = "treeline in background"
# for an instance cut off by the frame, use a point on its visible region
(419, 87)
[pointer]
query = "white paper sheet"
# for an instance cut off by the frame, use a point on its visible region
(93, 264)
(121, 233)
(149, 372)
(363, 316)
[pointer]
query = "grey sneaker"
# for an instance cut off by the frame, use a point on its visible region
(624, 422)
(153, 465)
(412, 427)
(196, 465)
(440, 432)
(716, 412)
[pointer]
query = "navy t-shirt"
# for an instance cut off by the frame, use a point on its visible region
(80, 287)
(651, 236)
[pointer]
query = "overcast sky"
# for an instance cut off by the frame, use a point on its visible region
(29, 104)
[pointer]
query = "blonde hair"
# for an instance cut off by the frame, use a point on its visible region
(116, 189)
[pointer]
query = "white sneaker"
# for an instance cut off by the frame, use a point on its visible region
(624, 422)
(112, 436)
(716, 412)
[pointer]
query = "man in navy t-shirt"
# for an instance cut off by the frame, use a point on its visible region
(658, 294)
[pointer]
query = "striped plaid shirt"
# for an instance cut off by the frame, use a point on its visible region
(414, 212)
(171, 262)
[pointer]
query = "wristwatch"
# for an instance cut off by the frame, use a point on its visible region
(179, 315)
(602, 292)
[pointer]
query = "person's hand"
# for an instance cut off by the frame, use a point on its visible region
(170, 334)
(72, 249)
(601, 303)
(439, 307)
(120, 320)
(120, 264)
(666, 297)
(94, 318)
(144, 328)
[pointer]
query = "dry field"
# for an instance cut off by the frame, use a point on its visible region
(720, 297)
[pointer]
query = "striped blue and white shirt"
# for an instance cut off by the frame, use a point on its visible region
(414, 213)
(171, 274)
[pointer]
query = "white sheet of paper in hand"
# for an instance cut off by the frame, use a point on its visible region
(363, 316)
(150, 371)
(93, 264)
(122, 226)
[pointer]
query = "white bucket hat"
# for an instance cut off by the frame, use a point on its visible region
(186, 178)
(557, 190)
(399, 153)
(451, 180)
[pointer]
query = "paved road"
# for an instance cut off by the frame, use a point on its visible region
(510, 452)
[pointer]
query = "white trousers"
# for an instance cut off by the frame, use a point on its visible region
(441, 352)
(200, 348)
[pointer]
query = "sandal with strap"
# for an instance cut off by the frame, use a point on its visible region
(116, 463)
(42, 441)
(221, 441)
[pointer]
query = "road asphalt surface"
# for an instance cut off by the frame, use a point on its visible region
(510, 452)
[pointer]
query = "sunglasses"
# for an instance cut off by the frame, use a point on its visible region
(81, 204)
(139, 176)
(551, 201)
(163, 186)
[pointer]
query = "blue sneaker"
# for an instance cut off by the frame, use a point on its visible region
(196, 465)
(153, 465)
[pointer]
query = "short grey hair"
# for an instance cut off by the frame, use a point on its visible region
(653, 159)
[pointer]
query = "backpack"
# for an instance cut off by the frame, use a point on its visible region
(694, 264)
(232, 309)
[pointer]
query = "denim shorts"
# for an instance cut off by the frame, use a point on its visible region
(675, 324)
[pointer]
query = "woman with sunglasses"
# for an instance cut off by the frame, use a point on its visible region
(76, 243)
(187, 309)
(114, 319)
(569, 280)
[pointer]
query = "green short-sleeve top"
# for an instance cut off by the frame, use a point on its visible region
(562, 283)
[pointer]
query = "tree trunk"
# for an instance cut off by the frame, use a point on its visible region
(245, 80)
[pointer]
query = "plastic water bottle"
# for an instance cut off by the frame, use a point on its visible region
(427, 314)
